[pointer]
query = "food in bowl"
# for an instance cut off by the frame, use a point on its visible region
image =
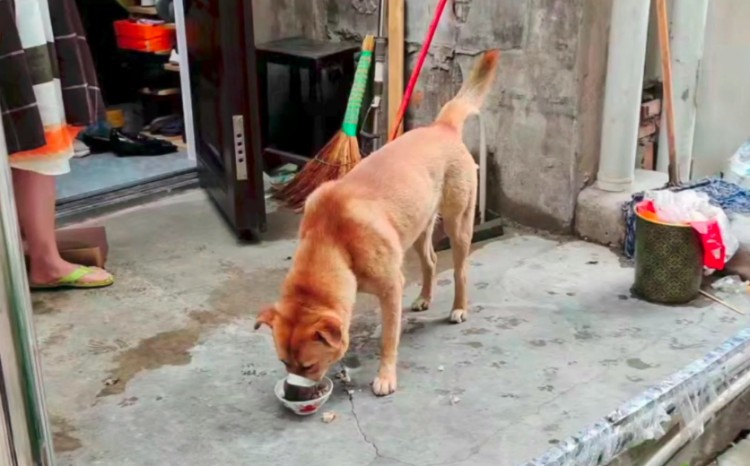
(322, 390)
(298, 388)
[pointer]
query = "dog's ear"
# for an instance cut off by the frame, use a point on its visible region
(329, 331)
(267, 316)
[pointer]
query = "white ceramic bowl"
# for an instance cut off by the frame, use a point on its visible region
(304, 408)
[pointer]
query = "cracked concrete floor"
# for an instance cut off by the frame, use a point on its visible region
(165, 369)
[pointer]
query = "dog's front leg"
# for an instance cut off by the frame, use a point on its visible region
(390, 305)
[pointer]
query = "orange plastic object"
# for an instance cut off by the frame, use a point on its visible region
(648, 215)
(647, 211)
(132, 35)
(143, 31)
(163, 44)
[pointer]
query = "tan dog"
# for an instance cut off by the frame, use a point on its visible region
(355, 231)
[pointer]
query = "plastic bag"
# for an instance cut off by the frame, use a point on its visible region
(738, 167)
(695, 209)
(682, 207)
(740, 224)
(732, 284)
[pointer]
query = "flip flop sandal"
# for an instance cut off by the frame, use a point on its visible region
(74, 280)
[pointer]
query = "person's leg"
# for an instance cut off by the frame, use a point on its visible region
(35, 202)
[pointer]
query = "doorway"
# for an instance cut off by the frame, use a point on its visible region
(144, 143)
(222, 155)
(169, 76)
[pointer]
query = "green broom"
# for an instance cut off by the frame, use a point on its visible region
(341, 153)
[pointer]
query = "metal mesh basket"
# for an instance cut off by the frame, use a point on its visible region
(668, 262)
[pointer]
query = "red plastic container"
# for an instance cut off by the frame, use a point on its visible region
(161, 44)
(132, 35)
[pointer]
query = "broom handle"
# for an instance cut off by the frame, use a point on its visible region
(666, 63)
(396, 52)
(357, 94)
(417, 69)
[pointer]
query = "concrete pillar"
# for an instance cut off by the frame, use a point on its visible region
(622, 98)
(688, 36)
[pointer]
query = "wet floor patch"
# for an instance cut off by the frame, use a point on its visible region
(164, 349)
(230, 301)
(636, 363)
(63, 436)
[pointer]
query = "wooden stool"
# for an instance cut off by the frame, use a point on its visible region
(310, 118)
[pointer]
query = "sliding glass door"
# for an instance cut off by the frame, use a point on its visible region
(25, 437)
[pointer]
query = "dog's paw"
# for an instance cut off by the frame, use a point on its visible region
(384, 384)
(420, 304)
(458, 315)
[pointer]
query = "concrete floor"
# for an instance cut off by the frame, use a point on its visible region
(736, 455)
(165, 369)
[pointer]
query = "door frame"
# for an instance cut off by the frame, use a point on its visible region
(187, 98)
(23, 407)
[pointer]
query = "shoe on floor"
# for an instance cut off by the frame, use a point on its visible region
(80, 149)
(96, 143)
(138, 145)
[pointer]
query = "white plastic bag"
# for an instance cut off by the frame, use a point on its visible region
(730, 239)
(688, 207)
(738, 166)
(740, 224)
(682, 206)
(731, 284)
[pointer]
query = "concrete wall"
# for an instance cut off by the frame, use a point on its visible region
(543, 117)
(723, 99)
(723, 119)
(652, 72)
(277, 19)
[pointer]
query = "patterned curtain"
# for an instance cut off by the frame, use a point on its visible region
(48, 86)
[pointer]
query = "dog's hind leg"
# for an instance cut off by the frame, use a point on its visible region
(428, 260)
(458, 219)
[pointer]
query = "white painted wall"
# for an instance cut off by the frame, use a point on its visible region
(723, 118)
(653, 58)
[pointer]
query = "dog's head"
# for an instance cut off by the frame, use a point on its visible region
(307, 343)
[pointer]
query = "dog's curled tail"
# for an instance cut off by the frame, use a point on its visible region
(470, 98)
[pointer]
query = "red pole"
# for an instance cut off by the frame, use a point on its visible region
(417, 69)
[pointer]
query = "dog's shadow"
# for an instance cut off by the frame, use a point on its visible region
(416, 328)
(364, 349)
(414, 325)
